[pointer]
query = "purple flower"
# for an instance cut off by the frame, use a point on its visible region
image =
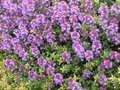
(73, 85)
(64, 37)
(112, 54)
(74, 10)
(107, 64)
(117, 57)
(6, 4)
(22, 68)
(50, 70)
(28, 6)
(50, 37)
(79, 49)
(75, 36)
(34, 23)
(66, 56)
(65, 27)
(62, 19)
(46, 2)
(6, 46)
(116, 39)
(103, 10)
(58, 78)
(74, 2)
(103, 22)
(89, 55)
(5, 37)
(41, 18)
(23, 55)
(16, 33)
(88, 19)
(20, 50)
(21, 33)
(88, 5)
(96, 46)
(14, 41)
(41, 62)
(10, 64)
(94, 34)
(101, 67)
(102, 79)
(51, 64)
(34, 49)
(38, 39)
(73, 18)
(31, 38)
(75, 25)
(14, 8)
(115, 9)
(113, 20)
(32, 75)
(86, 73)
(60, 16)
(24, 31)
(112, 30)
(63, 7)
(80, 16)
(59, 12)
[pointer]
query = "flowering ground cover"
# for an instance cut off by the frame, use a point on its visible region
(59, 44)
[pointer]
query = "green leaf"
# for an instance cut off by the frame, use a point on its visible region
(118, 2)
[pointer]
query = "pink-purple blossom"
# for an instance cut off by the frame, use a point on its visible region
(32, 75)
(66, 56)
(58, 78)
(41, 62)
(89, 55)
(86, 73)
(102, 79)
(10, 64)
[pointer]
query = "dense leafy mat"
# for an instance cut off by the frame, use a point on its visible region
(59, 45)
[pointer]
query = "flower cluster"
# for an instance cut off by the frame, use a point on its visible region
(41, 62)
(86, 73)
(58, 78)
(60, 40)
(96, 46)
(32, 75)
(106, 64)
(79, 49)
(115, 56)
(10, 64)
(89, 55)
(102, 79)
(66, 56)
(35, 51)
(73, 85)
